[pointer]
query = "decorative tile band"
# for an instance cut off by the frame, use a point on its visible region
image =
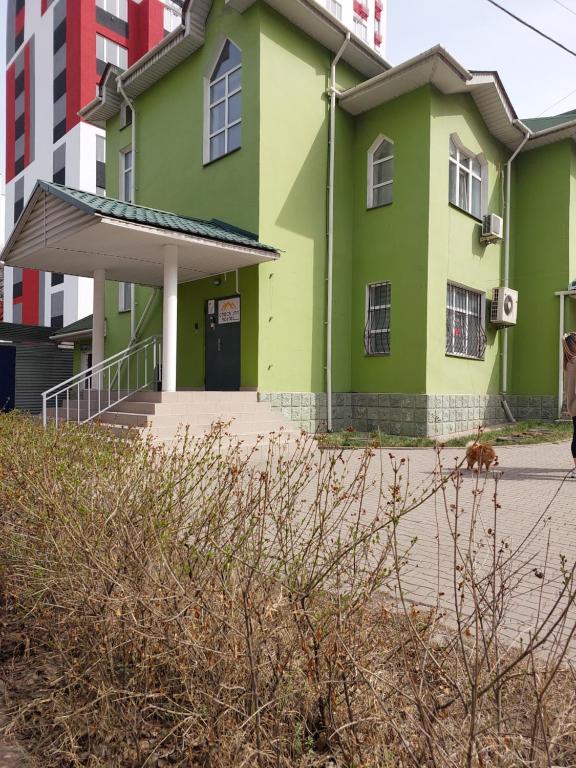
(410, 415)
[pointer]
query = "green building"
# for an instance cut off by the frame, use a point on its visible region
(301, 219)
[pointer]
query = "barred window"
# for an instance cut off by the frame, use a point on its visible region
(377, 331)
(465, 336)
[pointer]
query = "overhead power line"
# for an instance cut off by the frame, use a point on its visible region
(533, 28)
(566, 7)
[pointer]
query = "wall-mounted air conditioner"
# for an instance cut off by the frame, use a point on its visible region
(492, 228)
(504, 308)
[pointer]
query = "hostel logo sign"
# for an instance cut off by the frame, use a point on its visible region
(229, 310)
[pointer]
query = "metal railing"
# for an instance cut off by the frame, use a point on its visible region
(94, 391)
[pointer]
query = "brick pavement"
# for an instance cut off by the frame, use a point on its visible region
(537, 502)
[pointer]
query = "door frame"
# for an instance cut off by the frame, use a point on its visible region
(218, 299)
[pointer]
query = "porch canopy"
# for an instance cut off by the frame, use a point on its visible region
(79, 233)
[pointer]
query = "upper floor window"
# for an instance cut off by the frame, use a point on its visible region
(126, 189)
(172, 16)
(360, 28)
(118, 8)
(224, 109)
(335, 8)
(109, 52)
(467, 174)
(125, 296)
(125, 115)
(380, 172)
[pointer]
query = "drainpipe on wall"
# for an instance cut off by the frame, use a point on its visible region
(330, 232)
(505, 405)
(134, 164)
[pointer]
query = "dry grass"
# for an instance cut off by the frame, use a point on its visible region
(209, 607)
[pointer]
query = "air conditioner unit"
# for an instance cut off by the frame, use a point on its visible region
(504, 309)
(492, 228)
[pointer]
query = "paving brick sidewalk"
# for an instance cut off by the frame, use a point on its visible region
(534, 495)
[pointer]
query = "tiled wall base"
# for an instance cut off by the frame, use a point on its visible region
(411, 415)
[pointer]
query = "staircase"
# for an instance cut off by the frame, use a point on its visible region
(162, 414)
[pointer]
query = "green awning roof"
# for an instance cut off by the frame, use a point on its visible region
(542, 123)
(81, 328)
(153, 217)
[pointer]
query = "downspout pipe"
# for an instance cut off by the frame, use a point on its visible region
(134, 166)
(508, 204)
(330, 228)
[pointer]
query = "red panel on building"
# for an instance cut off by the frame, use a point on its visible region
(146, 27)
(361, 9)
(30, 298)
(19, 21)
(27, 97)
(80, 58)
(10, 118)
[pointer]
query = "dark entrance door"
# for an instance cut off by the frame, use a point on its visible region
(7, 377)
(222, 344)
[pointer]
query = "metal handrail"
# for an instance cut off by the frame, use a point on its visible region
(138, 367)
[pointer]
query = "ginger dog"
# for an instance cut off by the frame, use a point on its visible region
(481, 454)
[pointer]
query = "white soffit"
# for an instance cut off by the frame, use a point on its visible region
(435, 66)
(54, 236)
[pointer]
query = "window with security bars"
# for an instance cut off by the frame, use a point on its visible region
(465, 336)
(377, 331)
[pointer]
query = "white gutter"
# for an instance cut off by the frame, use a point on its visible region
(521, 146)
(134, 165)
(332, 157)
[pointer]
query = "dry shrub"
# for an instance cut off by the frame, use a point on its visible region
(210, 605)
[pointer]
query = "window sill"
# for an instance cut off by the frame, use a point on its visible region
(376, 207)
(216, 159)
(465, 357)
(124, 311)
(377, 354)
(465, 212)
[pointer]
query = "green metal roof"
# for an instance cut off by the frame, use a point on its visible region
(152, 217)
(542, 123)
(80, 327)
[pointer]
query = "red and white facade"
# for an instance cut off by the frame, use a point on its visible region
(56, 52)
(365, 18)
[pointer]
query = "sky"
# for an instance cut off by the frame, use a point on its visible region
(536, 74)
(539, 78)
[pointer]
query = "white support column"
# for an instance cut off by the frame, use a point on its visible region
(170, 318)
(98, 316)
(561, 296)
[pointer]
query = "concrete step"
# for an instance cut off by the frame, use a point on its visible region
(169, 433)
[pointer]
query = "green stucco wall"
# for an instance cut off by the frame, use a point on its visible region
(540, 261)
(455, 253)
(391, 243)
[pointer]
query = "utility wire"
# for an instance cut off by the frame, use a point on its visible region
(557, 102)
(534, 29)
(566, 7)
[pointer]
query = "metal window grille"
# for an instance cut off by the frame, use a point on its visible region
(465, 336)
(377, 331)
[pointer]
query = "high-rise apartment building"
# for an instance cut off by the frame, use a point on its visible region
(365, 18)
(56, 51)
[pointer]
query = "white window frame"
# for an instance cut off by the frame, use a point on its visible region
(209, 81)
(101, 158)
(122, 177)
(360, 28)
(172, 17)
(335, 8)
(371, 163)
(451, 306)
(124, 115)
(482, 177)
(118, 8)
(114, 53)
(368, 334)
(125, 302)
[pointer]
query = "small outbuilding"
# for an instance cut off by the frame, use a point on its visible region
(30, 363)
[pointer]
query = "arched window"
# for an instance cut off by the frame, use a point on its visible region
(224, 104)
(380, 172)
